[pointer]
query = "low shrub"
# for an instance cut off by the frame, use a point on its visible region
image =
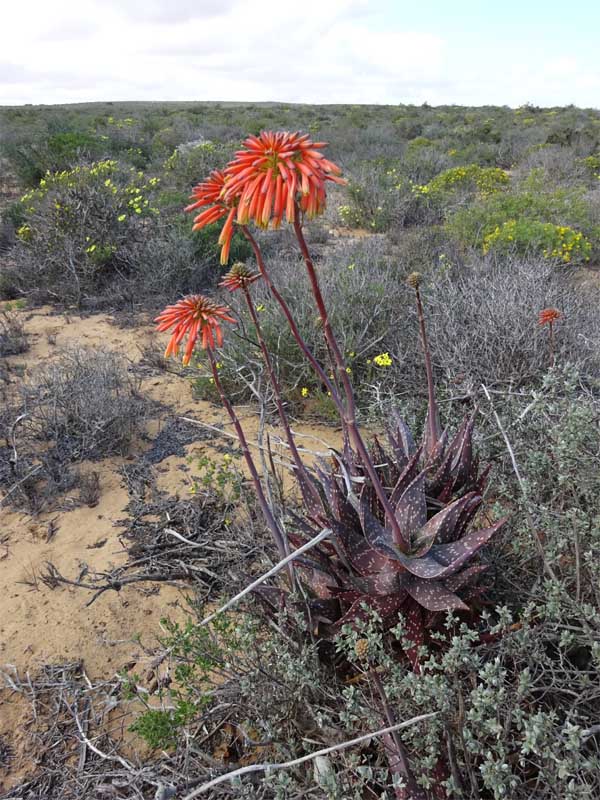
(13, 339)
(86, 403)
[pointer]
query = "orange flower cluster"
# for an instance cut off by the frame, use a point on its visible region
(264, 182)
(267, 176)
(194, 316)
(548, 316)
(210, 193)
(239, 277)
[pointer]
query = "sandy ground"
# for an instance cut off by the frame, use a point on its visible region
(39, 625)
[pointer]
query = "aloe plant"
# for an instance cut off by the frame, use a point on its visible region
(362, 565)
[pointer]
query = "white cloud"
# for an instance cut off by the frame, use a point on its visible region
(327, 51)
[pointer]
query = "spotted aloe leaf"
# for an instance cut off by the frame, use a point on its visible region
(339, 504)
(386, 607)
(376, 535)
(438, 454)
(385, 466)
(363, 558)
(462, 449)
(434, 596)
(455, 554)
(408, 475)
(414, 631)
(443, 526)
(322, 583)
(401, 439)
(411, 508)
(313, 502)
(446, 559)
(464, 578)
(385, 582)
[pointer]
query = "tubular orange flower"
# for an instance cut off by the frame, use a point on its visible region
(193, 316)
(210, 193)
(548, 316)
(273, 172)
(239, 277)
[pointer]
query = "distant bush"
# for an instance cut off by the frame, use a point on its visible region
(31, 160)
(471, 180)
(190, 163)
(81, 229)
(555, 223)
(108, 234)
(13, 339)
(531, 236)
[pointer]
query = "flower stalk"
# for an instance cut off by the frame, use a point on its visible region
(349, 412)
(272, 524)
(309, 493)
(433, 426)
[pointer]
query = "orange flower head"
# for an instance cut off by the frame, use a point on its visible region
(273, 172)
(239, 277)
(548, 316)
(193, 316)
(210, 193)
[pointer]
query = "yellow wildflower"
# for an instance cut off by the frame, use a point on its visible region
(383, 360)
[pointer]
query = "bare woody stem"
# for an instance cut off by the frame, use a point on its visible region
(433, 419)
(306, 483)
(265, 508)
(291, 321)
(350, 406)
(551, 332)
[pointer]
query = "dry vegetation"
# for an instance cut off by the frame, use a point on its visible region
(129, 514)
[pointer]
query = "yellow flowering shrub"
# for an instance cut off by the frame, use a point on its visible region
(559, 242)
(83, 222)
(482, 181)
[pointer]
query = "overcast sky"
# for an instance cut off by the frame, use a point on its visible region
(315, 51)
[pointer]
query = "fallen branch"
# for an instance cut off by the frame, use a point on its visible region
(303, 759)
(273, 571)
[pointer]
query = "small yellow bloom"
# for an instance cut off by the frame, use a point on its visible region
(122, 217)
(304, 391)
(383, 360)
(260, 307)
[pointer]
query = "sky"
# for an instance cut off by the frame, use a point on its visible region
(466, 52)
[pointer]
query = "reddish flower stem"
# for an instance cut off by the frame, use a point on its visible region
(306, 483)
(396, 752)
(433, 417)
(290, 319)
(276, 531)
(350, 410)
